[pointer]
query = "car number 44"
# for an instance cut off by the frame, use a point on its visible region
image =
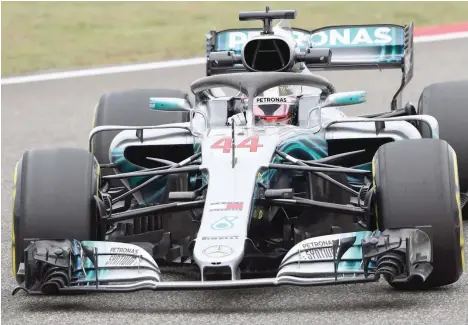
(248, 143)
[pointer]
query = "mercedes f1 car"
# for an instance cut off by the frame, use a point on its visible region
(270, 185)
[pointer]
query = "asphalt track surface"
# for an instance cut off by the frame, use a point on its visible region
(59, 113)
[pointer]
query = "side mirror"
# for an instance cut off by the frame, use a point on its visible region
(168, 104)
(345, 98)
(336, 99)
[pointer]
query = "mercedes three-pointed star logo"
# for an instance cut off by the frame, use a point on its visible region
(218, 251)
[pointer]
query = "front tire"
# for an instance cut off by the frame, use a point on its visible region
(53, 198)
(417, 185)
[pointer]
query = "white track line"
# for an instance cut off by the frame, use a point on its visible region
(441, 37)
(170, 64)
(102, 71)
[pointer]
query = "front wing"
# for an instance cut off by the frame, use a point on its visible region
(64, 266)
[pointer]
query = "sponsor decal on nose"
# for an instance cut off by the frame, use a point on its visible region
(226, 206)
(235, 206)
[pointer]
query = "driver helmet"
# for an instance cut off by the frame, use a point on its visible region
(275, 106)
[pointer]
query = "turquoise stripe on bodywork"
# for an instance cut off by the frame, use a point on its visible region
(78, 271)
(366, 166)
(304, 145)
(355, 179)
(355, 252)
(301, 145)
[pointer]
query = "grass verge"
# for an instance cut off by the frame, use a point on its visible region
(40, 36)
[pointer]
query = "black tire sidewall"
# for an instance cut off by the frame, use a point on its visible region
(64, 212)
(130, 108)
(447, 103)
(446, 229)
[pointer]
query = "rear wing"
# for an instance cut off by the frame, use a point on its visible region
(381, 46)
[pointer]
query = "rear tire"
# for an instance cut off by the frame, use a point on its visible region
(129, 108)
(53, 198)
(447, 102)
(416, 185)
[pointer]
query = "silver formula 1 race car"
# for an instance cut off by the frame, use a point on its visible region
(270, 185)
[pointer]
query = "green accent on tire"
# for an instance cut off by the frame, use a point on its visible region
(374, 186)
(457, 196)
(13, 235)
